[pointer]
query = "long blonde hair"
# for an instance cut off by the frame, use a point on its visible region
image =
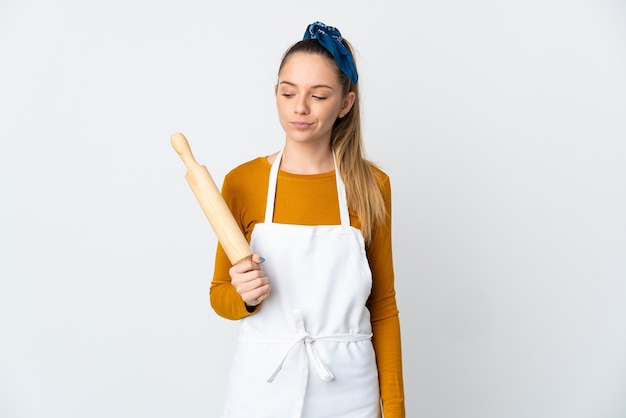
(358, 173)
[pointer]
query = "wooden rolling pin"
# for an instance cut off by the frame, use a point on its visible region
(213, 205)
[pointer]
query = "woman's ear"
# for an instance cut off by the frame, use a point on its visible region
(347, 104)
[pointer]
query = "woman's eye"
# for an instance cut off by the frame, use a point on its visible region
(287, 94)
(320, 97)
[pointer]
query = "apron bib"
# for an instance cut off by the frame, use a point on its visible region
(307, 353)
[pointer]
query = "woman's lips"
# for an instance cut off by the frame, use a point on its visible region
(300, 125)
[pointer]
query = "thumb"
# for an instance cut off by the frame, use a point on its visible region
(257, 258)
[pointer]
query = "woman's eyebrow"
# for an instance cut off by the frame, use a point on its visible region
(317, 86)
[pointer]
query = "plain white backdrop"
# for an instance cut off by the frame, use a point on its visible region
(501, 124)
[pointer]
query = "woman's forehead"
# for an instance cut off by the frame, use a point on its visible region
(301, 68)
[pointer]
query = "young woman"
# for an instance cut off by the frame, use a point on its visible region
(319, 334)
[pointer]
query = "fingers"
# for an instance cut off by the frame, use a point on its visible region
(250, 281)
(256, 296)
(253, 292)
(252, 289)
(248, 264)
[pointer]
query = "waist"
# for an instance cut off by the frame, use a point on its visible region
(300, 336)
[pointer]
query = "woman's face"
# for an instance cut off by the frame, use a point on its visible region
(309, 98)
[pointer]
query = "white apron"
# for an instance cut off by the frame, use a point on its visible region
(307, 353)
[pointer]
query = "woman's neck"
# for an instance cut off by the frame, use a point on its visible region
(302, 159)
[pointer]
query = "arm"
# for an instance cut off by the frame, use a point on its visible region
(243, 286)
(384, 316)
(235, 290)
(224, 298)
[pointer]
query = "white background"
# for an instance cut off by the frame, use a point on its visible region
(501, 124)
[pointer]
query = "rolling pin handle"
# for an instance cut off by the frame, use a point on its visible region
(181, 146)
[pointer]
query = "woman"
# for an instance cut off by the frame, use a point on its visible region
(319, 334)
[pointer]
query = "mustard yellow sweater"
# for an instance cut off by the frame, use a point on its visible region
(312, 200)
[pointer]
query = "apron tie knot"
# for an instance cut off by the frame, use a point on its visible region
(309, 352)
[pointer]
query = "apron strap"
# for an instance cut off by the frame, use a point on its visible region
(344, 214)
(343, 199)
(271, 189)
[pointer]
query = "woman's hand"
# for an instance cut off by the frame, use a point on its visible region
(250, 281)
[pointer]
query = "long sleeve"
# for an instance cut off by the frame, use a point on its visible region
(243, 191)
(225, 300)
(384, 316)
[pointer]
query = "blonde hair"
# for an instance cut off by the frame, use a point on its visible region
(358, 173)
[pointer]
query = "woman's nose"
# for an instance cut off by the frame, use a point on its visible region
(302, 107)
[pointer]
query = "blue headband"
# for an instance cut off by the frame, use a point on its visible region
(330, 38)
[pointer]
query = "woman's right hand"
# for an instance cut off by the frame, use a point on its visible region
(250, 281)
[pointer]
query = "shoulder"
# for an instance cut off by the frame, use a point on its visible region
(246, 184)
(382, 178)
(247, 172)
(254, 165)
